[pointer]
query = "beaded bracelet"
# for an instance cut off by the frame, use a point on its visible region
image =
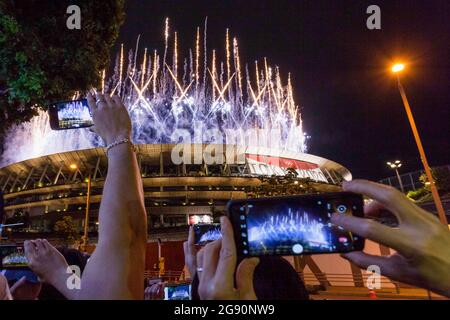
(116, 143)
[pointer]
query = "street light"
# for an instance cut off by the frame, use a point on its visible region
(86, 218)
(74, 167)
(396, 165)
(397, 69)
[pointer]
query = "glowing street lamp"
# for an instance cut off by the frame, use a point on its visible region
(86, 218)
(396, 165)
(85, 238)
(397, 69)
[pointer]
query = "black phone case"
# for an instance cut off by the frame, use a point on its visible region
(359, 244)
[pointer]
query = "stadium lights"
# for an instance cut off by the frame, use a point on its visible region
(396, 165)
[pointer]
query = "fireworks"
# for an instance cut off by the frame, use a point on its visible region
(292, 227)
(162, 98)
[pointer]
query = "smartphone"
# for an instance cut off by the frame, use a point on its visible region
(13, 257)
(177, 292)
(205, 233)
(70, 115)
(294, 225)
(14, 264)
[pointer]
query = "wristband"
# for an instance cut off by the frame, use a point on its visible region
(119, 142)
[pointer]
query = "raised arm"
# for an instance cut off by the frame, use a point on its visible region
(116, 268)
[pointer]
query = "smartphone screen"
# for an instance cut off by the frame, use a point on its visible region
(70, 115)
(177, 292)
(294, 225)
(13, 257)
(205, 233)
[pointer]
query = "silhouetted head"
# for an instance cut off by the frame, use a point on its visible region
(73, 257)
(274, 279)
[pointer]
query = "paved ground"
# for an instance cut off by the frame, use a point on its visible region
(351, 293)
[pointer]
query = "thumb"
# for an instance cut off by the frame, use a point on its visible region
(244, 278)
(18, 284)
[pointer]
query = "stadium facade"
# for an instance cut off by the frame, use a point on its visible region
(44, 189)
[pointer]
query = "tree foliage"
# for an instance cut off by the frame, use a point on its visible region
(67, 230)
(441, 176)
(42, 61)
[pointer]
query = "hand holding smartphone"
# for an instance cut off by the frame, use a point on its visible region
(70, 115)
(294, 225)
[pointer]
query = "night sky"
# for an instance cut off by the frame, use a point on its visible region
(348, 98)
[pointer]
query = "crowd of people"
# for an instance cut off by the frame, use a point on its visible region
(116, 268)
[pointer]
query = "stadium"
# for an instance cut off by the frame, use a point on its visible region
(46, 188)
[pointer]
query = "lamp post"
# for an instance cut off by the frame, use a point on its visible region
(396, 165)
(73, 166)
(86, 218)
(397, 69)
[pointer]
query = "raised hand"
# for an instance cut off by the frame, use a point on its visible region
(190, 253)
(111, 119)
(421, 241)
(218, 261)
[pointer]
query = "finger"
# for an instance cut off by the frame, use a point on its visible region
(388, 196)
(154, 290)
(210, 260)
(199, 264)
(101, 103)
(117, 101)
(185, 248)
(244, 278)
(18, 284)
(363, 260)
(39, 245)
(160, 290)
(372, 230)
(109, 102)
(228, 258)
(30, 250)
(191, 238)
(46, 244)
(91, 102)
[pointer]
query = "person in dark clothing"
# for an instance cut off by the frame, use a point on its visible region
(274, 279)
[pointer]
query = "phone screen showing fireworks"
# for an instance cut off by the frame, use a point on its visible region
(294, 225)
(205, 233)
(70, 115)
(177, 292)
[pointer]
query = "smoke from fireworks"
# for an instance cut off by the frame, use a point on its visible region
(162, 98)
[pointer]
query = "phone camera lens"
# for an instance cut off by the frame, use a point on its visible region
(341, 208)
